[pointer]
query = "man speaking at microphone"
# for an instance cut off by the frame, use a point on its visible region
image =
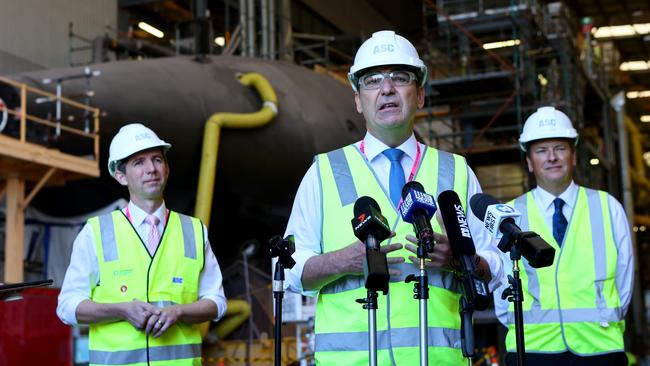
(387, 78)
(573, 310)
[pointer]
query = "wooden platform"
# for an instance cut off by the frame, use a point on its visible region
(32, 161)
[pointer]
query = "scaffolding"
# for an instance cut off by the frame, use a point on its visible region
(494, 62)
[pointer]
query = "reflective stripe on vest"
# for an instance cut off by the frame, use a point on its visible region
(109, 246)
(346, 283)
(560, 313)
(402, 337)
(160, 353)
(128, 271)
(346, 175)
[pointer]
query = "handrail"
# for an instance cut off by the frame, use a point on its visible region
(24, 116)
(211, 134)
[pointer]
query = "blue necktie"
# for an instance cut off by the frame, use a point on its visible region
(396, 178)
(559, 221)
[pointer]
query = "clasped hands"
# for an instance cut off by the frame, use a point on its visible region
(150, 318)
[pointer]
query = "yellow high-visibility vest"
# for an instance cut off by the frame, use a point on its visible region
(574, 304)
(127, 271)
(341, 323)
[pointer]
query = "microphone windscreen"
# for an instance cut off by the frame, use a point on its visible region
(453, 217)
(412, 185)
(479, 204)
(363, 202)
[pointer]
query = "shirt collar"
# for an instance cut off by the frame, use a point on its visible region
(373, 146)
(138, 215)
(568, 196)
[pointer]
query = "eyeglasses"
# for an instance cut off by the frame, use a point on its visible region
(374, 80)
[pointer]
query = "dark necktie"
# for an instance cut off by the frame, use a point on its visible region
(559, 221)
(396, 178)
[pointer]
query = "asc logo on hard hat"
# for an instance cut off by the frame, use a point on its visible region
(383, 48)
(143, 136)
(547, 122)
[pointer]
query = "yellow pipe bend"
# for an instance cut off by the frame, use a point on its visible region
(207, 172)
(236, 314)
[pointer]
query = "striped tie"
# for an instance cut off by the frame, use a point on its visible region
(154, 235)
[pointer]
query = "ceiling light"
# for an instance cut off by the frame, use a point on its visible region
(616, 31)
(220, 41)
(594, 161)
(151, 30)
(638, 94)
(645, 118)
(542, 80)
(634, 66)
(501, 44)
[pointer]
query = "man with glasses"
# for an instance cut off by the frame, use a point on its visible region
(387, 78)
(574, 310)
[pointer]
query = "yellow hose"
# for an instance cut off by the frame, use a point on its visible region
(213, 126)
(236, 314)
(208, 168)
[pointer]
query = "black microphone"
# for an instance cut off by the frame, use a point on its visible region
(418, 208)
(371, 228)
(474, 288)
(499, 220)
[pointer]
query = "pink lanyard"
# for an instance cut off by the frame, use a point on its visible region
(414, 169)
(128, 214)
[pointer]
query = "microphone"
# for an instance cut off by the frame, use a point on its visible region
(371, 228)
(418, 208)
(474, 288)
(501, 221)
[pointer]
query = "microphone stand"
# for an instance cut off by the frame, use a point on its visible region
(376, 273)
(514, 293)
(278, 293)
(281, 248)
(466, 328)
(421, 290)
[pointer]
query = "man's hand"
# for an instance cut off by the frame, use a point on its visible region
(322, 269)
(139, 313)
(158, 324)
(356, 255)
(439, 258)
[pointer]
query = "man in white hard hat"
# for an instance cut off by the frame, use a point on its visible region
(143, 277)
(573, 310)
(387, 79)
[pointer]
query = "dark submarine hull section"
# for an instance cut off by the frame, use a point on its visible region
(258, 170)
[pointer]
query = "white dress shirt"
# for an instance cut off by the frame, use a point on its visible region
(620, 229)
(83, 271)
(305, 222)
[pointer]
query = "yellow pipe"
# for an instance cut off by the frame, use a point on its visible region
(236, 314)
(207, 172)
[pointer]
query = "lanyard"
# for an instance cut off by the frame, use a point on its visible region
(414, 169)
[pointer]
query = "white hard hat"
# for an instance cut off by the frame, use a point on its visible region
(131, 139)
(547, 123)
(386, 48)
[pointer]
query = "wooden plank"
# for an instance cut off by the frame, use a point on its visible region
(33, 153)
(14, 231)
